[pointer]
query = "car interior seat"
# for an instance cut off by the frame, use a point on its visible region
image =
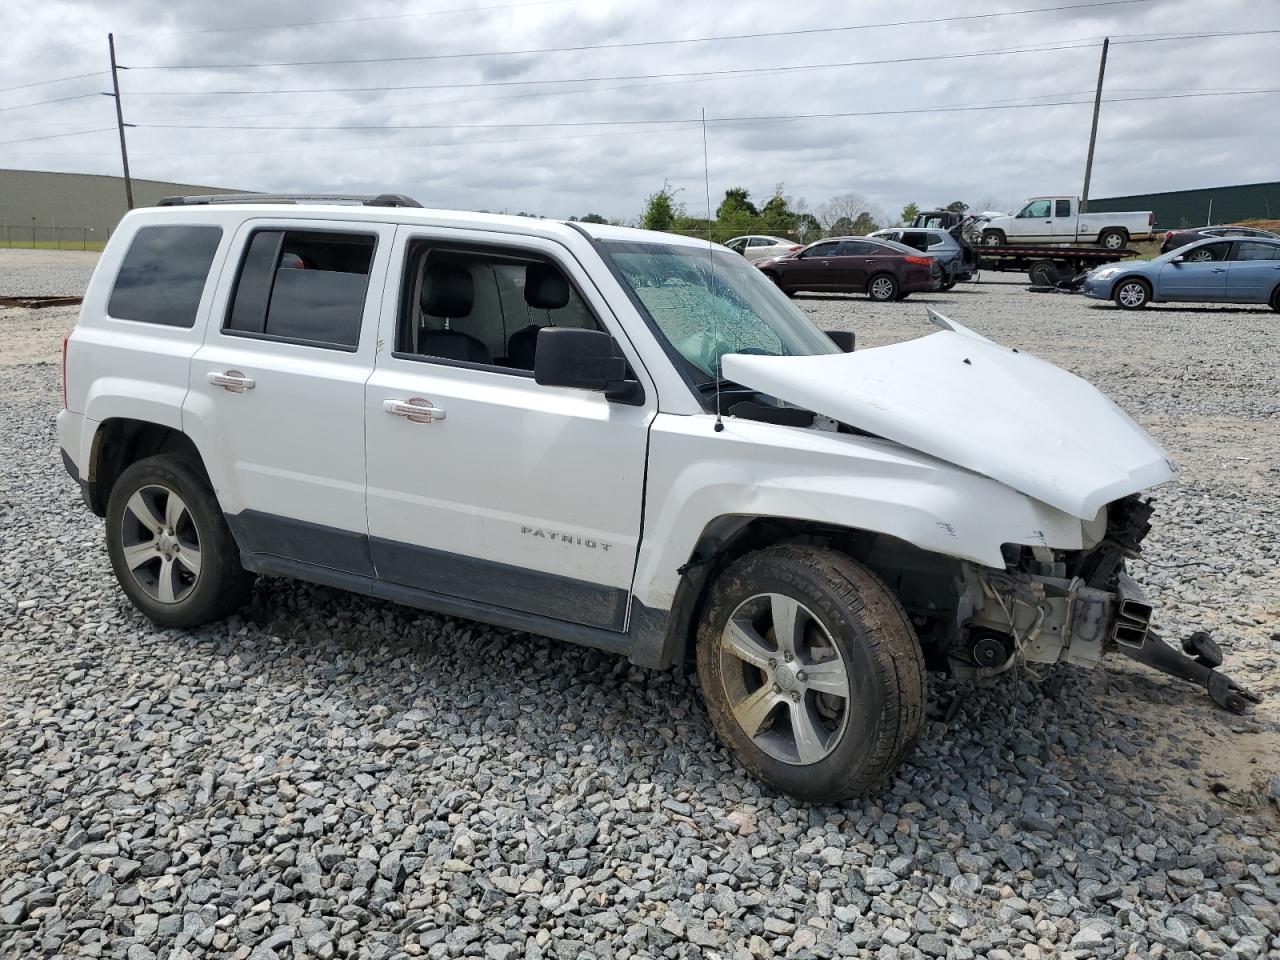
(545, 288)
(448, 292)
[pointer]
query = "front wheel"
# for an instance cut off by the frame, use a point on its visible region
(1275, 299)
(882, 288)
(993, 238)
(1132, 294)
(170, 546)
(812, 673)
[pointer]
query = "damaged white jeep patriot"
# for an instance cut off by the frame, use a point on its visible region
(519, 421)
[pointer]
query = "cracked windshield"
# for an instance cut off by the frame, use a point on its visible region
(708, 305)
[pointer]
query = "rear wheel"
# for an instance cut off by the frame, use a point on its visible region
(993, 238)
(882, 288)
(170, 546)
(812, 673)
(1043, 273)
(1275, 299)
(1113, 239)
(948, 283)
(1132, 294)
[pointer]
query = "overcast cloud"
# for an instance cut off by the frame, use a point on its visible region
(998, 155)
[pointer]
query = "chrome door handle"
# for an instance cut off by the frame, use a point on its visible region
(232, 381)
(415, 410)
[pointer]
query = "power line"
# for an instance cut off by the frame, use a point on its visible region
(1076, 44)
(42, 83)
(41, 103)
(729, 72)
(626, 44)
(54, 136)
(689, 120)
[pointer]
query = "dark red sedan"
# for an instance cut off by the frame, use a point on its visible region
(882, 269)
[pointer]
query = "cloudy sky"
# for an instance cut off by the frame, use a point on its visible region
(450, 103)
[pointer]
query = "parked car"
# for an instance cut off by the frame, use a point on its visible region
(759, 247)
(956, 257)
(1207, 271)
(1180, 238)
(881, 269)
(1058, 220)
(616, 437)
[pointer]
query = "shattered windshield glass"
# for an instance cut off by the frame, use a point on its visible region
(707, 305)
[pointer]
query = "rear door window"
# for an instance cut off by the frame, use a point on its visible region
(302, 286)
(163, 274)
(1252, 250)
(857, 248)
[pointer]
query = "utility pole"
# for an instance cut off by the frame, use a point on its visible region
(120, 124)
(1093, 133)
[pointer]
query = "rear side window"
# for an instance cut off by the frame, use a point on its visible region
(163, 275)
(1252, 250)
(302, 286)
(1062, 208)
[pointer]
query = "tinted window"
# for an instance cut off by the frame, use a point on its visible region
(1062, 208)
(760, 242)
(857, 248)
(163, 275)
(484, 307)
(303, 286)
(1253, 250)
(822, 250)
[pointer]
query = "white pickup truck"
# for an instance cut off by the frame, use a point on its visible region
(1059, 220)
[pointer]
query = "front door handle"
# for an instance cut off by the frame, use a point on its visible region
(1219, 270)
(233, 381)
(415, 410)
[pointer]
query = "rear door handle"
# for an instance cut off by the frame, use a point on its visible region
(1219, 270)
(233, 381)
(415, 410)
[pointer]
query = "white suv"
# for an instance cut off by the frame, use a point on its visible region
(516, 420)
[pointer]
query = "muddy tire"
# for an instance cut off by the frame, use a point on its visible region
(170, 547)
(826, 707)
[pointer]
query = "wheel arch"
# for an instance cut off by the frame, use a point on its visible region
(921, 579)
(119, 442)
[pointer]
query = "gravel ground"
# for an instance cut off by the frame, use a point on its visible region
(335, 776)
(32, 273)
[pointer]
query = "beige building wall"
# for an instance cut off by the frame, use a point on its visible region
(70, 207)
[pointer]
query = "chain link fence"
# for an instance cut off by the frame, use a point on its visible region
(50, 237)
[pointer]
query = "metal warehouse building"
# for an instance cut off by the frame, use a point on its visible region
(73, 209)
(1198, 208)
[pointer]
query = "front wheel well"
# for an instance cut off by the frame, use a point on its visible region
(121, 442)
(925, 582)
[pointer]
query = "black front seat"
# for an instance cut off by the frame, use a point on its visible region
(449, 292)
(545, 288)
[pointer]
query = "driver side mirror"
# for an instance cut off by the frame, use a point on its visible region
(584, 360)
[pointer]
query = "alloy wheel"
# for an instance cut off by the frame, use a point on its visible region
(1113, 241)
(1132, 294)
(785, 680)
(882, 288)
(161, 544)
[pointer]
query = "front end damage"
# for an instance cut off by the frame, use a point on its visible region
(1050, 606)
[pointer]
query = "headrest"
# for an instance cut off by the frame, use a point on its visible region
(447, 291)
(545, 287)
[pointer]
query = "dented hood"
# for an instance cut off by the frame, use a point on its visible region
(960, 397)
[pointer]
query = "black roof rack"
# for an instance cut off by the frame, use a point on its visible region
(367, 199)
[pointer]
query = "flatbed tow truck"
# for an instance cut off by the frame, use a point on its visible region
(1047, 266)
